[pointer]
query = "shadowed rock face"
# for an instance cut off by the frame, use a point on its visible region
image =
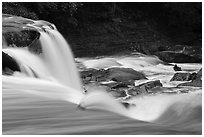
(9, 64)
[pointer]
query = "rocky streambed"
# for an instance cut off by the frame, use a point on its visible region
(124, 83)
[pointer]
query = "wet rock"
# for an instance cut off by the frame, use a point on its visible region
(119, 81)
(137, 91)
(144, 88)
(181, 77)
(16, 33)
(93, 75)
(196, 80)
(120, 85)
(125, 75)
(177, 57)
(152, 84)
(176, 68)
(185, 76)
(120, 75)
(118, 93)
(193, 76)
(9, 64)
(194, 83)
(199, 74)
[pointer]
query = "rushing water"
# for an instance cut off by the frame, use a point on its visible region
(43, 97)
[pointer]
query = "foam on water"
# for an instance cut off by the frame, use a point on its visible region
(146, 108)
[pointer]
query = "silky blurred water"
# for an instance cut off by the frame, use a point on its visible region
(36, 106)
(30, 114)
(43, 98)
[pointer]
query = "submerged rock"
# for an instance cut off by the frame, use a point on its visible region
(118, 93)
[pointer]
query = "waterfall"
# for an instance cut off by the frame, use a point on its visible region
(59, 59)
(51, 74)
(54, 74)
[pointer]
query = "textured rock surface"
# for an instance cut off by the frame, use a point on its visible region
(119, 81)
(144, 88)
(181, 77)
(196, 82)
(16, 33)
(125, 75)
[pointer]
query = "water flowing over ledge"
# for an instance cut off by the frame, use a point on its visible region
(53, 74)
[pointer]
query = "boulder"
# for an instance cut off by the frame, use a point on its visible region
(186, 76)
(152, 84)
(181, 77)
(144, 88)
(120, 75)
(177, 57)
(125, 75)
(196, 80)
(16, 33)
(176, 68)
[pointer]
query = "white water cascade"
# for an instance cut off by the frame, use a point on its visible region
(59, 59)
(54, 74)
